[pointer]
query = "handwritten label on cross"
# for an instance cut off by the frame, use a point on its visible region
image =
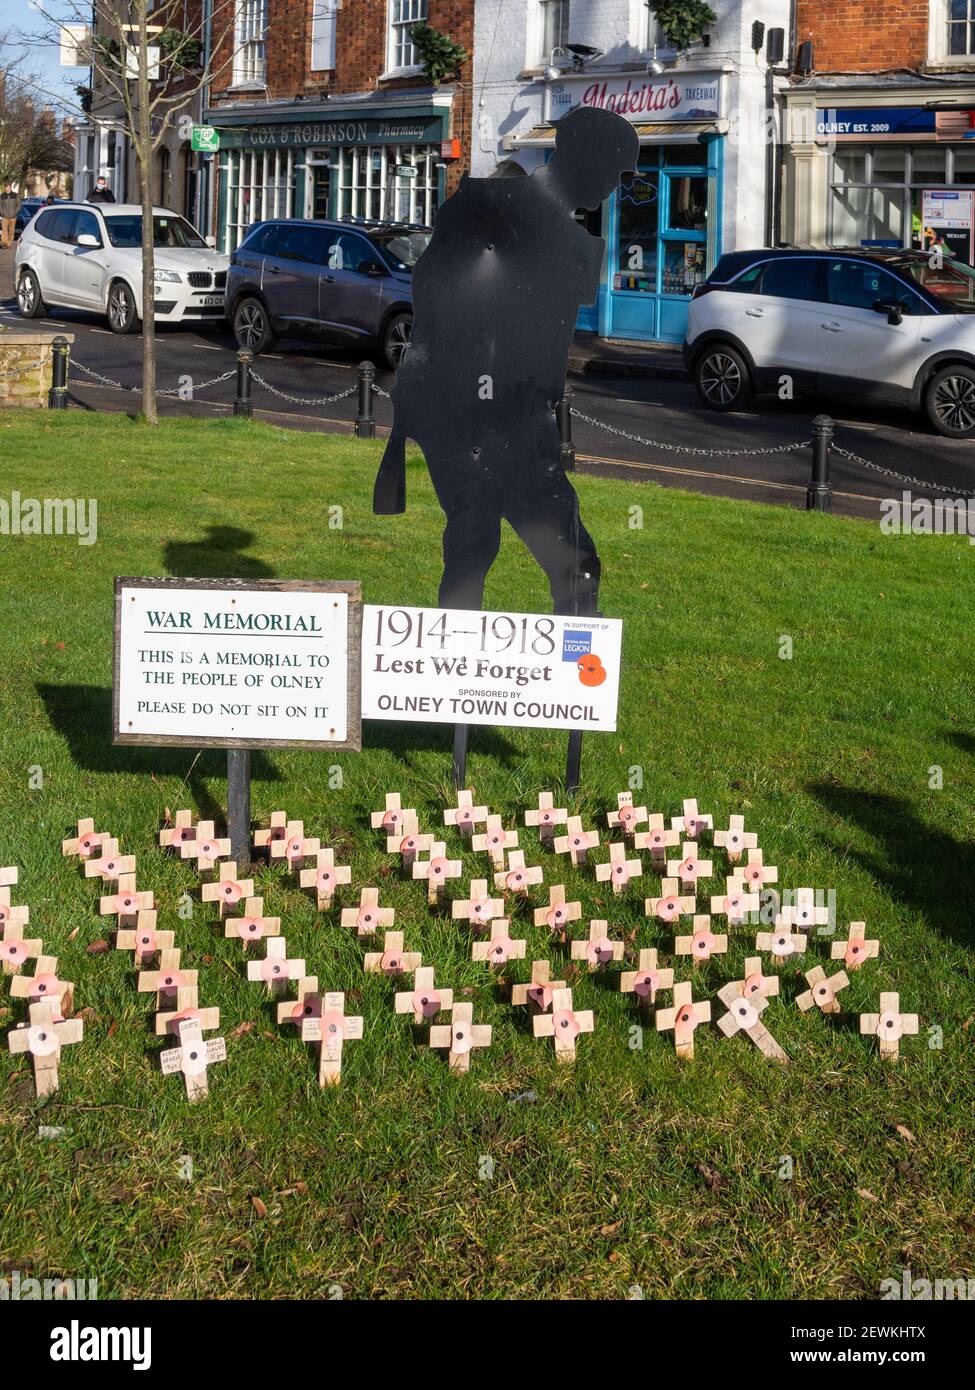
(626, 816)
(495, 841)
(43, 1037)
(460, 1036)
(480, 910)
(576, 842)
(598, 950)
(252, 926)
(325, 877)
(736, 839)
(501, 947)
(684, 1017)
(424, 1001)
(192, 1057)
(889, 1026)
(465, 815)
(618, 870)
(702, 943)
(855, 949)
(647, 978)
(564, 1024)
(368, 917)
(392, 960)
(437, 870)
(546, 816)
(518, 877)
(83, 843)
(228, 890)
(557, 913)
(331, 1029)
(537, 991)
(275, 970)
(822, 992)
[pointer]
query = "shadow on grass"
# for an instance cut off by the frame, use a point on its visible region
(218, 556)
(402, 739)
(920, 866)
(82, 715)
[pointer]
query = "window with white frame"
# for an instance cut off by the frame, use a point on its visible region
(403, 14)
(371, 185)
(554, 26)
(250, 30)
(961, 28)
(653, 30)
(323, 14)
(259, 184)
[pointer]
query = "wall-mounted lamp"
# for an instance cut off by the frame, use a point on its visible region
(551, 72)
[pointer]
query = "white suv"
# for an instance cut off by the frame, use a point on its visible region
(89, 256)
(893, 327)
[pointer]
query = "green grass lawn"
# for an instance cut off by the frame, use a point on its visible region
(629, 1169)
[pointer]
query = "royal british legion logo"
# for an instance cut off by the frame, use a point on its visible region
(575, 644)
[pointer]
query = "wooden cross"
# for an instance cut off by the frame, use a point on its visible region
(598, 950)
(227, 890)
(626, 816)
(436, 870)
(143, 939)
(182, 828)
(546, 816)
(683, 1018)
(43, 1037)
(782, 942)
(822, 991)
(275, 969)
(407, 842)
(736, 839)
(735, 903)
(424, 1001)
(206, 849)
(192, 1057)
(618, 870)
(252, 926)
(557, 913)
(803, 911)
(501, 947)
(11, 915)
(276, 830)
(44, 984)
(166, 1022)
(391, 818)
(576, 842)
(889, 1026)
(690, 868)
(295, 847)
(479, 909)
(564, 1024)
(647, 978)
(109, 865)
(465, 815)
(754, 982)
(9, 876)
(755, 874)
(518, 877)
(83, 842)
(657, 839)
(307, 1005)
(702, 943)
(330, 1029)
(855, 950)
(537, 991)
(744, 1016)
(174, 988)
(15, 948)
(392, 960)
(368, 917)
(325, 877)
(126, 903)
(460, 1036)
(495, 841)
(691, 823)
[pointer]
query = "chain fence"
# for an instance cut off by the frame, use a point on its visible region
(304, 400)
(686, 448)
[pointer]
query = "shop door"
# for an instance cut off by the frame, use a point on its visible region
(320, 185)
(635, 252)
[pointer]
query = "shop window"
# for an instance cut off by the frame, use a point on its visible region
(963, 165)
(250, 29)
(929, 165)
(403, 14)
(369, 186)
(639, 227)
(867, 214)
(259, 185)
(961, 27)
(685, 156)
(889, 164)
(850, 166)
(555, 26)
(688, 203)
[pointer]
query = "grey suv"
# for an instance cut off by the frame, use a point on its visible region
(348, 283)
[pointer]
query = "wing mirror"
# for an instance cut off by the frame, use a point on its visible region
(211, 241)
(893, 310)
(88, 241)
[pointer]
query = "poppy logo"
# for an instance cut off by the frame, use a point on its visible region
(591, 669)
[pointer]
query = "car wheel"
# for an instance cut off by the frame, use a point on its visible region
(722, 378)
(252, 326)
(950, 401)
(396, 339)
(29, 300)
(122, 314)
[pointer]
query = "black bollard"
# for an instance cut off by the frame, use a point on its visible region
(242, 405)
(365, 421)
(563, 418)
(819, 493)
(57, 396)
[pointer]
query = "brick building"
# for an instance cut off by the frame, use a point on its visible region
(881, 125)
(323, 110)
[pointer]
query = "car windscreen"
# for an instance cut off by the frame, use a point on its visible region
(942, 275)
(125, 229)
(402, 249)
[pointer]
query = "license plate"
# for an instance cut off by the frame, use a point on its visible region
(212, 301)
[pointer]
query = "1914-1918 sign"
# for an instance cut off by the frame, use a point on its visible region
(452, 666)
(237, 664)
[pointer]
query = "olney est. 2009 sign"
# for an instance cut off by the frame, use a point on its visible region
(465, 666)
(237, 663)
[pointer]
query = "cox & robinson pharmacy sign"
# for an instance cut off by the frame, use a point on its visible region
(692, 97)
(299, 134)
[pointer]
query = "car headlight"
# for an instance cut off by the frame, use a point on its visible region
(170, 276)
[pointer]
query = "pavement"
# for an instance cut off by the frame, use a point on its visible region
(651, 427)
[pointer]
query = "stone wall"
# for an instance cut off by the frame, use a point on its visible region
(25, 367)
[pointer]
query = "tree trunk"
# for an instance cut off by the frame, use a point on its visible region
(143, 146)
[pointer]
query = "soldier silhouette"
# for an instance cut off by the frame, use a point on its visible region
(496, 295)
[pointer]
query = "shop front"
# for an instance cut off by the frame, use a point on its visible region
(293, 161)
(663, 228)
(882, 169)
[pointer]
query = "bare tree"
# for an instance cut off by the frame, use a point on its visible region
(193, 45)
(29, 134)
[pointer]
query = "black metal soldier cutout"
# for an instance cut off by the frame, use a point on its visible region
(495, 295)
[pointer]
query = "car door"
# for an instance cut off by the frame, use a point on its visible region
(780, 320)
(864, 351)
(85, 267)
(53, 230)
(349, 298)
(291, 274)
